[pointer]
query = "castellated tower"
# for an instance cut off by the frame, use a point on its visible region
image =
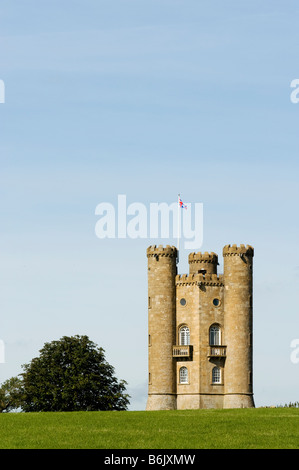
(200, 330)
(238, 326)
(203, 263)
(161, 327)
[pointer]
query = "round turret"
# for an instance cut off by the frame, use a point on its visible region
(205, 263)
(238, 326)
(162, 271)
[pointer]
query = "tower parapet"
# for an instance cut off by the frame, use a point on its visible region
(160, 250)
(230, 250)
(199, 279)
(203, 262)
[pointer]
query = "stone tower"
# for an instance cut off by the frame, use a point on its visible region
(203, 263)
(162, 271)
(200, 330)
(238, 326)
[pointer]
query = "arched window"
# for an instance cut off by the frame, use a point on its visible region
(184, 379)
(184, 336)
(215, 335)
(216, 375)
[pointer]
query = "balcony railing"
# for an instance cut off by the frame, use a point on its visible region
(182, 351)
(217, 351)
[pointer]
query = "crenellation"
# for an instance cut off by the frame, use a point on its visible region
(185, 279)
(237, 250)
(203, 257)
(159, 250)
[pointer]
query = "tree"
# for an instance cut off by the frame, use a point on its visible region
(11, 394)
(71, 374)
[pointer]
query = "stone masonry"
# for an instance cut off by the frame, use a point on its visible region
(200, 330)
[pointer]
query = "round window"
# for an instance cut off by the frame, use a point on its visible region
(183, 302)
(216, 302)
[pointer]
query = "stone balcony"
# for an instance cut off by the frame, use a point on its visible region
(182, 351)
(217, 351)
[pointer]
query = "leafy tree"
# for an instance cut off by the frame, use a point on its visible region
(11, 394)
(71, 374)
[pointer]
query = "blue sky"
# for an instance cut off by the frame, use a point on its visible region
(148, 99)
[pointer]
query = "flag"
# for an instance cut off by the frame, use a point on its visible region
(182, 205)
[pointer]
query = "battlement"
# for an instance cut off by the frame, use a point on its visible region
(199, 279)
(203, 257)
(229, 250)
(160, 250)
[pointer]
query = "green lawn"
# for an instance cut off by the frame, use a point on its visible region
(200, 429)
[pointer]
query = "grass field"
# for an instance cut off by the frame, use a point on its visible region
(276, 428)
